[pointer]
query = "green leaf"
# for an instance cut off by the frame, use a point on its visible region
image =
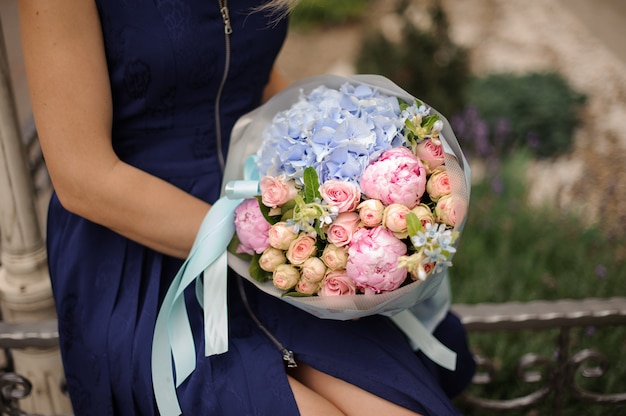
(429, 121)
(256, 272)
(232, 248)
(403, 104)
(266, 211)
(296, 295)
(311, 185)
(413, 224)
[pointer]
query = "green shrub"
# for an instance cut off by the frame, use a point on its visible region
(541, 109)
(314, 13)
(426, 64)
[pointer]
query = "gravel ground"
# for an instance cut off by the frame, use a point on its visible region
(580, 42)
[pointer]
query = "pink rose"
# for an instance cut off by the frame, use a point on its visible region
(373, 260)
(438, 184)
(285, 277)
(343, 195)
(394, 219)
(337, 283)
(371, 212)
(276, 191)
(431, 154)
(450, 209)
(312, 270)
(335, 257)
(301, 249)
(398, 176)
(271, 258)
(251, 227)
(340, 231)
(424, 214)
(281, 235)
(306, 287)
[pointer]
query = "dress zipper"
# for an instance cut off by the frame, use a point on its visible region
(228, 29)
(287, 354)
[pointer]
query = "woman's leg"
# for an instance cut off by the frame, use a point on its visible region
(311, 403)
(346, 397)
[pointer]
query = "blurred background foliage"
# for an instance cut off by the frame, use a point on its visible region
(509, 250)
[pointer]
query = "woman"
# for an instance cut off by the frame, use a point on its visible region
(134, 101)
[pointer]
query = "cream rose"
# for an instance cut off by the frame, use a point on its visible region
(335, 257)
(394, 219)
(313, 270)
(301, 249)
(285, 277)
(438, 184)
(306, 287)
(371, 212)
(424, 214)
(271, 258)
(280, 235)
(343, 195)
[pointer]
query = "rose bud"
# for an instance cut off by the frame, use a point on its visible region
(271, 258)
(335, 257)
(285, 277)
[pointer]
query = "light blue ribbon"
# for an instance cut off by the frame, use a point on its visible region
(422, 339)
(173, 347)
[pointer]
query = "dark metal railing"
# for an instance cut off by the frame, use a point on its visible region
(555, 377)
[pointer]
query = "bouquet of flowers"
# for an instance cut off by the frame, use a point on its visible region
(361, 198)
(342, 196)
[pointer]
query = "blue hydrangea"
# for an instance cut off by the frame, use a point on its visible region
(336, 131)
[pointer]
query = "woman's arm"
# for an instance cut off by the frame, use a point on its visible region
(276, 83)
(71, 100)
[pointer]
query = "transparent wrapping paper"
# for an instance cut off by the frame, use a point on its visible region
(246, 139)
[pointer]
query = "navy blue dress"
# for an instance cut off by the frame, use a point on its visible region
(166, 59)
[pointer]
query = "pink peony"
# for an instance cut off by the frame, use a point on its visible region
(431, 154)
(438, 184)
(337, 283)
(340, 231)
(373, 260)
(276, 191)
(343, 195)
(251, 227)
(398, 176)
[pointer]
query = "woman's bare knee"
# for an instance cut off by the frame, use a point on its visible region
(348, 398)
(311, 403)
